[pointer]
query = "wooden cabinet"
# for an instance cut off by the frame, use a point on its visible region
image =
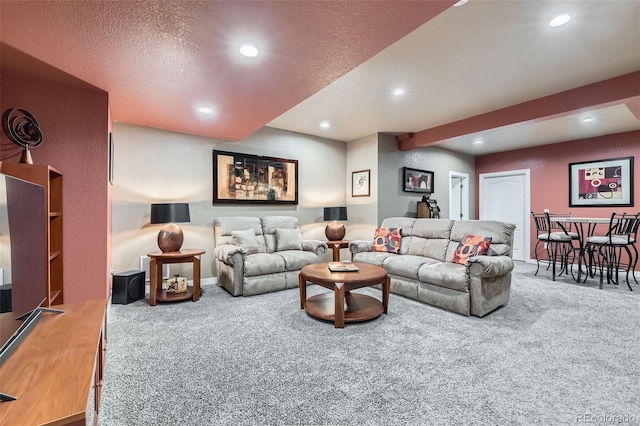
(51, 180)
(56, 372)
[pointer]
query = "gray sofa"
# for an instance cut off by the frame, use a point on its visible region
(255, 255)
(423, 268)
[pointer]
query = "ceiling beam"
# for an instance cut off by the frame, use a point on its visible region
(612, 91)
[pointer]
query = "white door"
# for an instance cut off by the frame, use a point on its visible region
(458, 196)
(505, 196)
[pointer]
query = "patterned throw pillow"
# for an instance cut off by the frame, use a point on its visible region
(469, 246)
(387, 240)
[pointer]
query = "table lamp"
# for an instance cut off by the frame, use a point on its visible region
(335, 230)
(170, 237)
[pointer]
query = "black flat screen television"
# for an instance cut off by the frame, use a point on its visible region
(23, 259)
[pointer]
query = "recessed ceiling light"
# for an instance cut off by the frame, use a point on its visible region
(560, 20)
(325, 124)
(588, 120)
(249, 50)
(461, 2)
(205, 110)
(398, 92)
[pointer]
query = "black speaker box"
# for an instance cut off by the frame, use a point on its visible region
(127, 287)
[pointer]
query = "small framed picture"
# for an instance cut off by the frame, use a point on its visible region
(415, 180)
(361, 183)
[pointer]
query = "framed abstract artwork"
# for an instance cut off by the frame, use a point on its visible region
(253, 179)
(414, 180)
(361, 183)
(601, 183)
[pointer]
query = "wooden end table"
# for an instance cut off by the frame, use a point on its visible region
(157, 259)
(331, 306)
(336, 246)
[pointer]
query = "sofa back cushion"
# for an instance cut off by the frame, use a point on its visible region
(223, 228)
(247, 239)
(501, 234)
(406, 228)
(288, 239)
(272, 223)
(430, 238)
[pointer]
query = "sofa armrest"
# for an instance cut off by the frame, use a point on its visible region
(493, 266)
(360, 246)
(224, 253)
(316, 246)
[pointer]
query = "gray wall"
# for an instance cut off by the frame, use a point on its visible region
(394, 201)
(153, 165)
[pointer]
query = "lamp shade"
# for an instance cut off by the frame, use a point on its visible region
(170, 237)
(170, 213)
(335, 213)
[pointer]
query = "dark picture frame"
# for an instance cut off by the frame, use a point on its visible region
(361, 183)
(254, 179)
(601, 183)
(416, 180)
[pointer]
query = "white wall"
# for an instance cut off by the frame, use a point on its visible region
(153, 165)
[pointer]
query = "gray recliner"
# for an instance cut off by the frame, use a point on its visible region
(255, 255)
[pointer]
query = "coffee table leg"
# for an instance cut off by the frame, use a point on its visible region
(302, 283)
(385, 293)
(339, 302)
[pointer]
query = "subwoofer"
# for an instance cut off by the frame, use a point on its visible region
(127, 287)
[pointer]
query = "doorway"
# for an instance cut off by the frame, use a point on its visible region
(506, 196)
(458, 196)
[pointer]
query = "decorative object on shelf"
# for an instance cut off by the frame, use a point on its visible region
(252, 179)
(22, 128)
(415, 180)
(177, 284)
(170, 237)
(601, 183)
(335, 230)
(361, 183)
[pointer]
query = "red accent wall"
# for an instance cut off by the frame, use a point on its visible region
(549, 168)
(75, 125)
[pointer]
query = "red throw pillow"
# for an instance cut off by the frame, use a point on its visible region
(471, 245)
(387, 240)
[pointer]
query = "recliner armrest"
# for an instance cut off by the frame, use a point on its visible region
(316, 246)
(360, 246)
(493, 266)
(224, 253)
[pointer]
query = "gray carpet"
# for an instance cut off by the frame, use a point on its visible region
(558, 353)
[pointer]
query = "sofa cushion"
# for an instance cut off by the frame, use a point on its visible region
(445, 274)
(246, 238)
(372, 257)
(406, 265)
(263, 264)
(471, 245)
(387, 240)
(294, 260)
(288, 239)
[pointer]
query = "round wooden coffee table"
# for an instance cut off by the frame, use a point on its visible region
(331, 306)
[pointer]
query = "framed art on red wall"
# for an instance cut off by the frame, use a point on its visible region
(601, 183)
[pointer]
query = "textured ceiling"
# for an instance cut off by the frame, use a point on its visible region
(159, 60)
(489, 70)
